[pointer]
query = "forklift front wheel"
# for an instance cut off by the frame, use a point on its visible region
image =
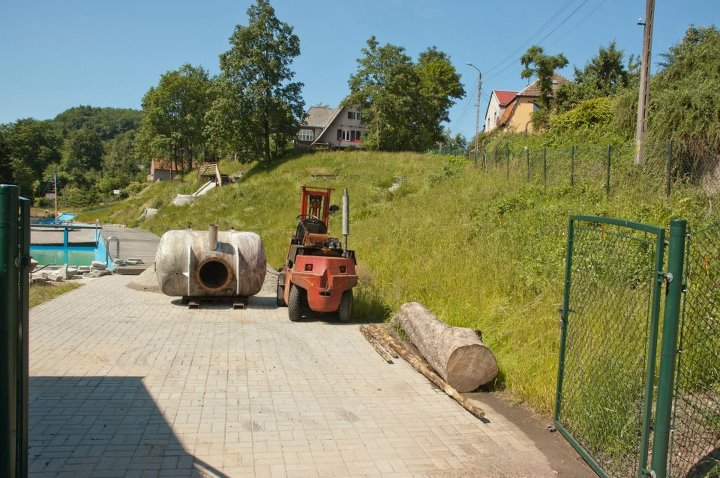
(346, 303)
(295, 303)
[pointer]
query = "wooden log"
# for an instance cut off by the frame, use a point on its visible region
(377, 334)
(375, 344)
(457, 354)
(423, 368)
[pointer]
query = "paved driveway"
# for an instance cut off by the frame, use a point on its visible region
(132, 383)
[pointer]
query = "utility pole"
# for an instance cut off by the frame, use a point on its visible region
(477, 113)
(644, 97)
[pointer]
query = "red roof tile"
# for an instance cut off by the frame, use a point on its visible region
(505, 97)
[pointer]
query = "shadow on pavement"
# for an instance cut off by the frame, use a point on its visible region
(108, 426)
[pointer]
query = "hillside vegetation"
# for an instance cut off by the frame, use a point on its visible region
(478, 249)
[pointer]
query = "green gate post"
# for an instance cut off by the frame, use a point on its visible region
(8, 329)
(24, 339)
(564, 317)
(666, 380)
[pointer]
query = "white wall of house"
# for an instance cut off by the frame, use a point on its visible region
(494, 112)
(346, 129)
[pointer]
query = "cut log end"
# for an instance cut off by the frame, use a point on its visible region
(470, 367)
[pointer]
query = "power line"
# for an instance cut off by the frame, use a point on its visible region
(543, 38)
(524, 44)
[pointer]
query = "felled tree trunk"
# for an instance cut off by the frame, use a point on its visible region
(457, 354)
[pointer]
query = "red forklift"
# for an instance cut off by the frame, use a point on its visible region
(319, 272)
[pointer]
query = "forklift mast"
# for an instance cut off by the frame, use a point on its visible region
(315, 203)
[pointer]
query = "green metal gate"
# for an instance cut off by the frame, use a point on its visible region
(14, 287)
(610, 321)
(695, 440)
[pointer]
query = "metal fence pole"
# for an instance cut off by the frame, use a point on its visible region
(572, 165)
(607, 176)
(8, 329)
(564, 311)
(507, 168)
(527, 157)
(669, 168)
(666, 380)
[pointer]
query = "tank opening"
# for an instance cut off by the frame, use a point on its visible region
(213, 274)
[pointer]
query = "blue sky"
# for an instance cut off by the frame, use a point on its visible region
(59, 54)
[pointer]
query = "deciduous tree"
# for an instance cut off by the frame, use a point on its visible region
(543, 66)
(174, 121)
(403, 103)
(257, 103)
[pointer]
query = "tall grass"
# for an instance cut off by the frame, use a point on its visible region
(479, 249)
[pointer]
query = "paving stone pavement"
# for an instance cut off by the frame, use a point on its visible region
(128, 383)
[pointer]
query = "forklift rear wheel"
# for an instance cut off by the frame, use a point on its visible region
(346, 303)
(295, 303)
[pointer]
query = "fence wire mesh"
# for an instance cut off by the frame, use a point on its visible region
(696, 413)
(666, 167)
(608, 334)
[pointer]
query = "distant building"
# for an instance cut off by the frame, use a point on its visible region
(499, 100)
(162, 169)
(331, 127)
(516, 114)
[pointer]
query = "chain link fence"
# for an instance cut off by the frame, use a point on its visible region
(610, 332)
(696, 414)
(665, 167)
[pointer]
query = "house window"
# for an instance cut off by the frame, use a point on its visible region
(358, 116)
(348, 135)
(306, 135)
(355, 135)
(351, 115)
(339, 134)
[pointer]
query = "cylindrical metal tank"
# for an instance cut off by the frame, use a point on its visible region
(186, 264)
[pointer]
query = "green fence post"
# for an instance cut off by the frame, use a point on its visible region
(669, 169)
(507, 168)
(572, 165)
(666, 380)
(8, 329)
(527, 158)
(607, 176)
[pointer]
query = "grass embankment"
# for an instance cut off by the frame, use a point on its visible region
(477, 249)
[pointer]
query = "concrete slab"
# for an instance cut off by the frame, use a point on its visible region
(133, 383)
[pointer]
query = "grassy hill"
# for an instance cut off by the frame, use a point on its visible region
(479, 249)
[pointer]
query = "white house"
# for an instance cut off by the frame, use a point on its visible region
(499, 100)
(332, 127)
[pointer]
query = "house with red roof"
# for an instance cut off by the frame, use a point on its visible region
(499, 100)
(513, 111)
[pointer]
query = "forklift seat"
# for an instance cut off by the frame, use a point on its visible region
(310, 225)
